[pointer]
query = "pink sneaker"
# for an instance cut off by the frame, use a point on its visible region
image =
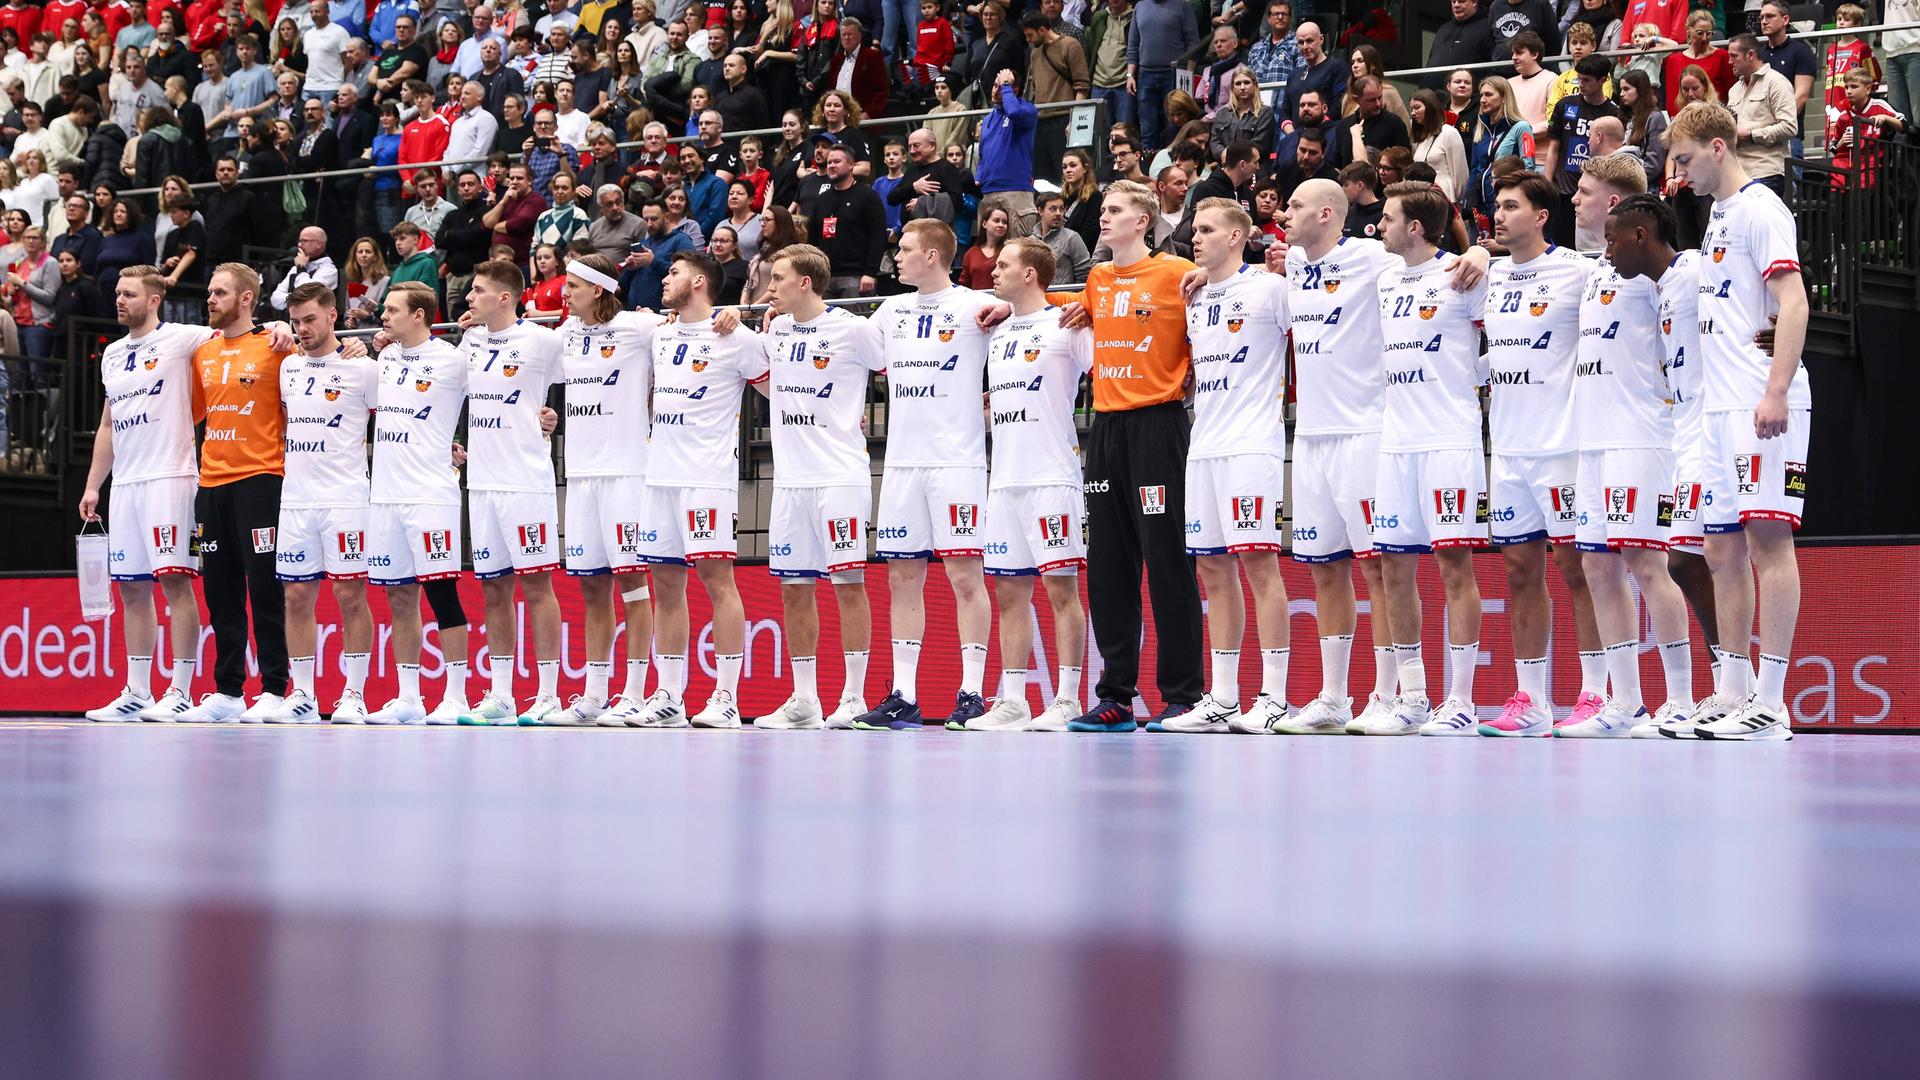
(1586, 707)
(1520, 718)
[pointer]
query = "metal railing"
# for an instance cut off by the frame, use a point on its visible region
(1497, 65)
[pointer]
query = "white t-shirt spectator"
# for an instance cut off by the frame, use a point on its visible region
(325, 69)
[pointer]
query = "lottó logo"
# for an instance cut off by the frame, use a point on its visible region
(963, 519)
(700, 523)
(263, 540)
(438, 544)
(1746, 473)
(843, 533)
(1153, 499)
(1054, 530)
(352, 545)
(1450, 506)
(1246, 511)
(533, 538)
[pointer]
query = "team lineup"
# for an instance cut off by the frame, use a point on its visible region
(1647, 412)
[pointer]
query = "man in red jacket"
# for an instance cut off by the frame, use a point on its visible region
(54, 15)
(869, 68)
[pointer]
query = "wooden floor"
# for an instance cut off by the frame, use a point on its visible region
(238, 902)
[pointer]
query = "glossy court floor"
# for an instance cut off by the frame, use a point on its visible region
(208, 903)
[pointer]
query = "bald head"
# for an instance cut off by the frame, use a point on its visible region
(1605, 135)
(1316, 213)
(922, 147)
(1312, 42)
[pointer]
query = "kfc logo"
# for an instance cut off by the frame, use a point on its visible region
(1053, 530)
(963, 518)
(1686, 502)
(1153, 499)
(626, 536)
(1450, 506)
(1746, 473)
(533, 539)
(352, 545)
(1246, 511)
(263, 540)
(438, 544)
(1563, 509)
(165, 539)
(843, 533)
(1620, 503)
(700, 523)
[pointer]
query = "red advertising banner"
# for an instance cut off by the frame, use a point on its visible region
(1856, 662)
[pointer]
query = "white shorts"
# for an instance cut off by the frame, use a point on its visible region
(150, 528)
(1749, 478)
(687, 524)
(1333, 503)
(329, 541)
(514, 532)
(1234, 504)
(1430, 500)
(818, 531)
(1532, 498)
(604, 524)
(1624, 499)
(929, 511)
(409, 542)
(1036, 530)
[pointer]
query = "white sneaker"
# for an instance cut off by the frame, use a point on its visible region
(448, 713)
(1057, 715)
(1676, 712)
(1613, 722)
(581, 711)
(1322, 716)
(842, 718)
(125, 708)
(795, 714)
(720, 712)
(661, 710)
(350, 709)
(1209, 716)
(1712, 707)
(492, 709)
(1263, 717)
(1450, 718)
(539, 711)
(167, 707)
(1377, 708)
(216, 709)
(1403, 716)
(296, 708)
(1751, 722)
(620, 711)
(1007, 714)
(402, 710)
(266, 707)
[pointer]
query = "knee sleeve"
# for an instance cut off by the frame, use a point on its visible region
(855, 576)
(443, 597)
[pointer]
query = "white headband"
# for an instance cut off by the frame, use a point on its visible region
(588, 273)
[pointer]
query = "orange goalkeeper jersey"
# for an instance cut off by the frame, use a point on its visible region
(1141, 355)
(236, 390)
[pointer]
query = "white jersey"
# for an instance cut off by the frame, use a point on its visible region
(1336, 337)
(936, 355)
(508, 375)
(698, 378)
(1620, 385)
(1533, 332)
(1679, 294)
(819, 373)
(149, 391)
(1239, 333)
(327, 400)
(608, 369)
(415, 413)
(1750, 237)
(1430, 338)
(1033, 381)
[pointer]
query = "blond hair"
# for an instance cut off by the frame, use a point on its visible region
(1138, 198)
(1702, 122)
(245, 278)
(808, 262)
(149, 276)
(1236, 216)
(1620, 172)
(933, 233)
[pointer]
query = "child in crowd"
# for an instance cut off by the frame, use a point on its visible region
(753, 171)
(1580, 42)
(1843, 55)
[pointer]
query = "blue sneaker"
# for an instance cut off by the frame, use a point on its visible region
(1107, 716)
(1159, 722)
(966, 706)
(894, 714)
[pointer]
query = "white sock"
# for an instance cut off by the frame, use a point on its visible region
(1531, 676)
(671, 674)
(1226, 676)
(805, 680)
(1068, 684)
(182, 676)
(1413, 670)
(1593, 673)
(856, 686)
(549, 673)
(1336, 655)
(1772, 691)
(728, 680)
(906, 668)
(301, 668)
(1463, 659)
(1676, 659)
(1273, 672)
(1386, 671)
(140, 675)
(636, 687)
(599, 674)
(1623, 669)
(1736, 671)
(355, 666)
(1713, 666)
(502, 667)
(1013, 685)
(409, 676)
(973, 666)
(457, 671)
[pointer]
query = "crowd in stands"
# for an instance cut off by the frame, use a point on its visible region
(639, 128)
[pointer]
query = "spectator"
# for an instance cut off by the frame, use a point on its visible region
(228, 211)
(1232, 180)
(998, 48)
(80, 236)
(545, 294)
(1669, 17)
(1467, 38)
(1762, 104)
(1006, 154)
(171, 188)
(468, 61)
(79, 295)
(893, 155)
(1854, 137)
(557, 17)
(124, 243)
(310, 263)
(1531, 83)
(1056, 72)
(1843, 55)
(1105, 46)
(184, 259)
(669, 73)
(646, 268)
(1508, 18)
(1699, 53)
(416, 258)
(615, 231)
(566, 218)
(463, 239)
(1161, 33)
(1245, 118)
(136, 93)
(741, 105)
(1318, 73)
(353, 125)
(514, 129)
(545, 153)
(778, 230)
(1646, 124)
(1566, 147)
(851, 227)
(1902, 49)
(725, 249)
(742, 221)
(1793, 59)
(357, 68)
(1210, 87)
(1366, 60)
(1072, 258)
(1580, 44)
(754, 171)
(716, 154)
(1500, 132)
(318, 149)
(425, 138)
(1651, 49)
(976, 266)
(1361, 182)
(512, 219)
(930, 186)
(401, 62)
(1276, 55)
(471, 135)
(33, 281)
(429, 211)
(1438, 143)
(1601, 16)
(1371, 127)
(840, 115)
(326, 48)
